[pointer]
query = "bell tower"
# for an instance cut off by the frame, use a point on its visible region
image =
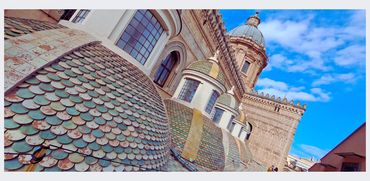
(250, 52)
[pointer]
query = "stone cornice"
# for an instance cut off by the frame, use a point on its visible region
(297, 108)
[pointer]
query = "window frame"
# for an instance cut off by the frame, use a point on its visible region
(219, 116)
(240, 132)
(230, 122)
(79, 19)
(173, 58)
(185, 88)
(141, 40)
(346, 165)
(68, 14)
(232, 127)
(211, 102)
(242, 69)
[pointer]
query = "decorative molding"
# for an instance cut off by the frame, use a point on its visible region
(214, 21)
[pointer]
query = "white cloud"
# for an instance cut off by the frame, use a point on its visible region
(268, 83)
(313, 150)
(281, 62)
(308, 151)
(282, 89)
(352, 55)
(332, 78)
(323, 95)
(314, 44)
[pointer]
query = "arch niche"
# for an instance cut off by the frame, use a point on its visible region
(177, 48)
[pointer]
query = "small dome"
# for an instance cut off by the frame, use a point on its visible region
(228, 100)
(210, 68)
(250, 29)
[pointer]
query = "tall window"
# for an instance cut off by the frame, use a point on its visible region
(140, 36)
(230, 122)
(81, 16)
(240, 132)
(218, 114)
(212, 101)
(248, 135)
(68, 13)
(350, 167)
(245, 66)
(232, 127)
(165, 69)
(188, 90)
(250, 131)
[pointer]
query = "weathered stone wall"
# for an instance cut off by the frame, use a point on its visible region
(273, 131)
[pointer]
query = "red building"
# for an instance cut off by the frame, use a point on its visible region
(349, 155)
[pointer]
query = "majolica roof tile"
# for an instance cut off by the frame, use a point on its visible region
(218, 150)
(14, 27)
(205, 67)
(228, 100)
(121, 127)
(94, 111)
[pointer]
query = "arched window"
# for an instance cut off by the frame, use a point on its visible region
(165, 68)
(245, 66)
(250, 131)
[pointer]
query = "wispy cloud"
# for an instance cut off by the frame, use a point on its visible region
(351, 56)
(331, 78)
(314, 45)
(308, 151)
(297, 93)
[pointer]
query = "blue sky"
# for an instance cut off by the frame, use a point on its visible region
(316, 57)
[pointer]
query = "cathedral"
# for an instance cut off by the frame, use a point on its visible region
(139, 90)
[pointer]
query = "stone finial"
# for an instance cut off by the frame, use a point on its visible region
(215, 56)
(262, 94)
(267, 95)
(304, 106)
(285, 100)
(273, 97)
(291, 102)
(278, 99)
(240, 106)
(231, 91)
(298, 103)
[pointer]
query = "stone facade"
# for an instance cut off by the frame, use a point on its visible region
(274, 126)
(274, 121)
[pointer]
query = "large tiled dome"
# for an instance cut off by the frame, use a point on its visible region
(90, 109)
(249, 31)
